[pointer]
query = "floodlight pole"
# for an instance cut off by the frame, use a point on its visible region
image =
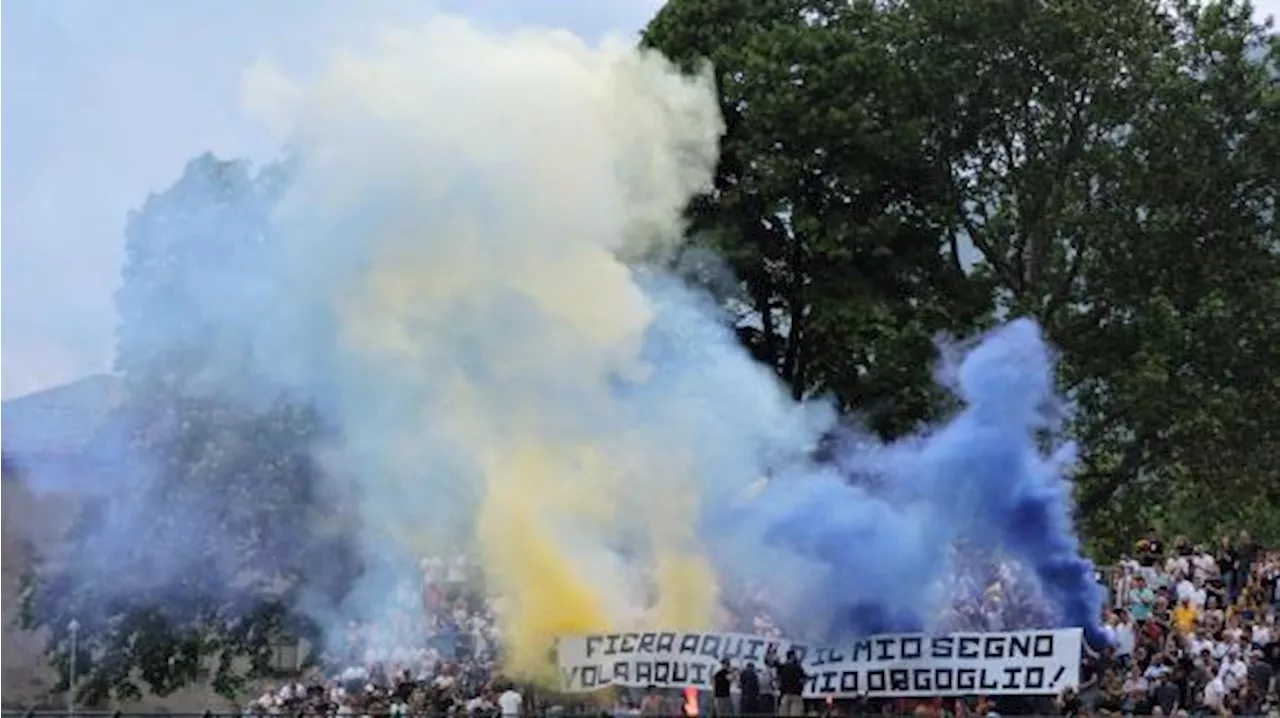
(74, 628)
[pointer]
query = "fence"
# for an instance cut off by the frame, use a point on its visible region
(600, 713)
(286, 658)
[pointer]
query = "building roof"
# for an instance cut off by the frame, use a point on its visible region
(61, 421)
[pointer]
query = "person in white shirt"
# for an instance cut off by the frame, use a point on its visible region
(1261, 635)
(1214, 692)
(1234, 672)
(511, 703)
(1156, 670)
(1220, 649)
(1192, 590)
(479, 703)
(434, 569)
(1123, 635)
(1203, 565)
(456, 572)
(1135, 683)
(1198, 643)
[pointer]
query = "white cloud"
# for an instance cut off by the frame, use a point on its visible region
(1265, 8)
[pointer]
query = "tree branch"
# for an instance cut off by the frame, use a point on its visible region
(1099, 493)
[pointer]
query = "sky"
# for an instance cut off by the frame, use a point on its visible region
(107, 100)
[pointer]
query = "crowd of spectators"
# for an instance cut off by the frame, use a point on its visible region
(1194, 631)
(434, 652)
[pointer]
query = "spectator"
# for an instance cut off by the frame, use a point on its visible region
(1203, 565)
(1272, 584)
(1192, 590)
(1185, 616)
(749, 685)
(1123, 633)
(1261, 673)
(1246, 556)
(1227, 559)
(1068, 703)
(1155, 546)
(1179, 562)
(1259, 633)
(1233, 671)
(653, 704)
(1167, 695)
(791, 680)
(511, 703)
(722, 689)
(766, 704)
(1142, 599)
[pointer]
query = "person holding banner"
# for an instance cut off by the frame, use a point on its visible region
(653, 704)
(767, 703)
(749, 689)
(791, 680)
(722, 686)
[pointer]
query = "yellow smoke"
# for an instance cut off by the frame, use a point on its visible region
(537, 482)
(687, 592)
(547, 595)
(465, 170)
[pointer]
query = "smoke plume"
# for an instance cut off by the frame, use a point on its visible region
(463, 273)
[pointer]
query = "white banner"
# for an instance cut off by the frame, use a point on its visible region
(1009, 663)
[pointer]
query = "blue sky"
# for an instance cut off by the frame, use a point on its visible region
(107, 99)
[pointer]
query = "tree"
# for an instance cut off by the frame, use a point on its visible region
(194, 555)
(894, 169)
(1196, 448)
(818, 202)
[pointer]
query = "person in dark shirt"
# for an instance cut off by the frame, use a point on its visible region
(1069, 703)
(1105, 661)
(722, 689)
(1167, 695)
(1249, 702)
(1226, 557)
(1146, 557)
(1087, 692)
(767, 703)
(791, 680)
(1271, 654)
(1260, 675)
(749, 685)
(1246, 556)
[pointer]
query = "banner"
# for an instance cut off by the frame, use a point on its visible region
(1008, 663)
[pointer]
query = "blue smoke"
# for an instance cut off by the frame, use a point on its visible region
(848, 561)
(861, 539)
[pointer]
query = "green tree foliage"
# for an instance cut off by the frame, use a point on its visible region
(893, 169)
(817, 204)
(192, 558)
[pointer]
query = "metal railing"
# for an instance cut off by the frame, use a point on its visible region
(835, 712)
